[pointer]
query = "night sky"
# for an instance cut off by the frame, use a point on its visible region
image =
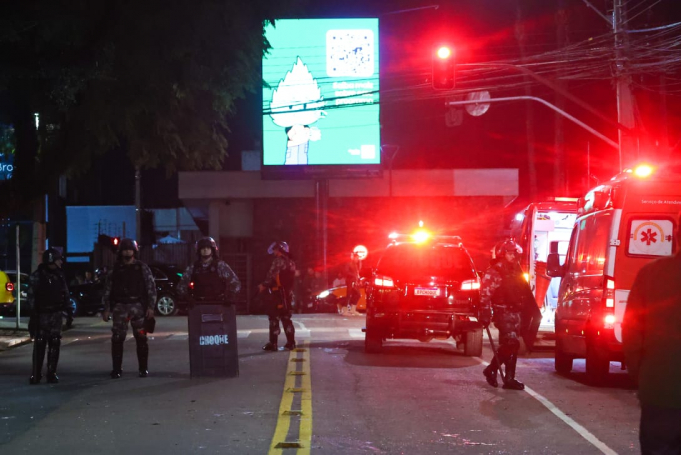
(413, 114)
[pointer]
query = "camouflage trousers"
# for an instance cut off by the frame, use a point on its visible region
(280, 311)
(509, 324)
(49, 326)
(124, 313)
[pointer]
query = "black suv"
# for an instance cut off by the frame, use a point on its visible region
(424, 290)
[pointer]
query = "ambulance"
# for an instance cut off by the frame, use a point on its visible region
(621, 226)
(542, 228)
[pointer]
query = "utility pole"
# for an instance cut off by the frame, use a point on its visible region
(138, 204)
(628, 152)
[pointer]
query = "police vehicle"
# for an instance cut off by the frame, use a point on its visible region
(424, 287)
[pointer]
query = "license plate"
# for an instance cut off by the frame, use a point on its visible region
(430, 292)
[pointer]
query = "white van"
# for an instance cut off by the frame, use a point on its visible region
(621, 226)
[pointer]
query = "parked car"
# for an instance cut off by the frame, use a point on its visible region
(8, 292)
(86, 299)
(327, 301)
(167, 277)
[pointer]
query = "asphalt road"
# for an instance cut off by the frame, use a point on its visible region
(329, 397)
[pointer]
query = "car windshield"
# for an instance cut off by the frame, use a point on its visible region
(418, 261)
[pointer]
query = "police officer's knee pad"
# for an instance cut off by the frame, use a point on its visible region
(54, 340)
(117, 338)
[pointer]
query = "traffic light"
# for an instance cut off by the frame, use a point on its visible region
(443, 74)
(108, 241)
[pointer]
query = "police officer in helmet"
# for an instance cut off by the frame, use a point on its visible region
(130, 293)
(48, 298)
(209, 279)
(279, 282)
(501, 300)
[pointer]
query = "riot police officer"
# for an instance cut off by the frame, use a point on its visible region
(501, 300)
(209, 278)
(279, 283)
(48, 298)
(130, 293)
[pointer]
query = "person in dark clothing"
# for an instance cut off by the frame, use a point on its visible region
(209, 278)
(501, 293)
(130, 292)
(48, 299)
(279, 282)
(651, 340)
(352, 282)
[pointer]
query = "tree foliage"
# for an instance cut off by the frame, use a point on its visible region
(157, 78)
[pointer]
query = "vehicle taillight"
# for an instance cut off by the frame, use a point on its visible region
(191, 285)
(470, 285)
(609, 293)
(384, 282)
(9, 287)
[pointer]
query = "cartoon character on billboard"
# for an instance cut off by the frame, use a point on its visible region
(295, 105)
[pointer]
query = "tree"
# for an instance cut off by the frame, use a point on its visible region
(156, 78)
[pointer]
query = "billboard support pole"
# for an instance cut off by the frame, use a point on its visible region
(321, 202)
(18, 288)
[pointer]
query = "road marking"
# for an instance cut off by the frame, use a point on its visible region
(583, 432)
(302, 326)
(298, 367)
(356, 333)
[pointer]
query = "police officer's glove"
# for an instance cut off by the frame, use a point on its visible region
(485, 317)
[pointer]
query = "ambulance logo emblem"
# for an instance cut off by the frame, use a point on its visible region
(651, 237)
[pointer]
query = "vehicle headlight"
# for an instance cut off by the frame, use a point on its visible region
(324, 294)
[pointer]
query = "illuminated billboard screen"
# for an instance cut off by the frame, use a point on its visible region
(321, 106)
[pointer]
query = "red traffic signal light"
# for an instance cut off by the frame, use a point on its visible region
(115, 241)
(443, 73)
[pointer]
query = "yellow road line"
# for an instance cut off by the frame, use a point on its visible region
(279, 442)
(305, 435)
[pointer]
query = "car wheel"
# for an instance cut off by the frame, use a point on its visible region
(73, 303)
(473, 343)
(597, 366)
(166, 305)
(563, 361)
(373, 342)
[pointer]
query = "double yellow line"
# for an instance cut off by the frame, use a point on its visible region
(297, 385)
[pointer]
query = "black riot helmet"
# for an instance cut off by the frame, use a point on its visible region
(207, 242)
(51, 255)
(278, 245)
(128, 244)
(507, 246)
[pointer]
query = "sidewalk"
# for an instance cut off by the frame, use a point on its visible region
(10, 337)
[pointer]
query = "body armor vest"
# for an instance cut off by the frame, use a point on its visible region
(51, 291)
(128, 284)
(511, 291)
(207, 281)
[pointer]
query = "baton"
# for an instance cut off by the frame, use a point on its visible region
(496, 355)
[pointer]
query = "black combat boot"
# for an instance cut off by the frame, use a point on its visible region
(270, 347)
(491, 373)
(511, 382)
(117, 359)
(142, 356)
(38, 358)
(290, 341)
(53, 360)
